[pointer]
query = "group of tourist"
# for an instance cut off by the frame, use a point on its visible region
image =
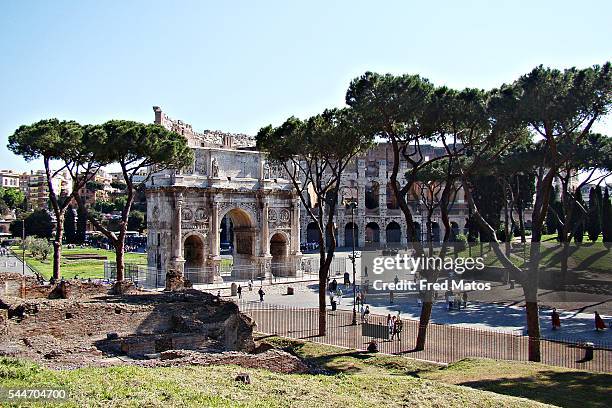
(395, 326)
(335, 293)
(455, 302)
(600, 324)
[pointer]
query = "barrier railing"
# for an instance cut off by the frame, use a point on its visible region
(445, 343)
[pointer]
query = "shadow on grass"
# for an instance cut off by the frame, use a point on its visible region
(565, 389)
(330, 362)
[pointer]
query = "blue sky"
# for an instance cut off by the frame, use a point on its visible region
(239, 65)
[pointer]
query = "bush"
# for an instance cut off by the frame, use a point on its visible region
(38, 247)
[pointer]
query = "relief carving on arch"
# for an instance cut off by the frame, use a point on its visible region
(198, 220)
(279, 217)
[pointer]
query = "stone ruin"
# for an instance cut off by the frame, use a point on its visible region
(141, 328)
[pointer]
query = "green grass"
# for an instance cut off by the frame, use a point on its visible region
(340, 360)
(193, 386)
(535, 381)
(93, 268)
(594, 257)
(548, 384)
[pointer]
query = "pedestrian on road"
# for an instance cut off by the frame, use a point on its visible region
(365, 314)
(397, 327)
(239, 290)
(599, 322)
(465, 299)
(339, 295)
(556, 321)
(250, 285)
(261, 294)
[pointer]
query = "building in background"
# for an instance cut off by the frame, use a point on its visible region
(36, 189)
(9, 179)
(98, 189)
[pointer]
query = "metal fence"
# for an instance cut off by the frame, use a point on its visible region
(209, 277)
(445, 343)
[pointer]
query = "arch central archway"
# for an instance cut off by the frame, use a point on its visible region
(279, 249)
(239, 232)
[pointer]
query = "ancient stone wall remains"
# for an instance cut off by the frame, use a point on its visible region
(144, 314)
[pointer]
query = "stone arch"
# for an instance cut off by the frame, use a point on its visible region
(394, 233)
(312, 232)
(454, 230)
(392, 203)
(193, 251)
(435, 232)
(372, 233)
(418, 231)
(348, 234)
(279, 249)
(243, 230)
(371, 195)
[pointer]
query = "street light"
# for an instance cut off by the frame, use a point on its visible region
(23, 256)
(351, 202)
(352, 205)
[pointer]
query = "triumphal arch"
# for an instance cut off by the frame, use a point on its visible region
(232, 214)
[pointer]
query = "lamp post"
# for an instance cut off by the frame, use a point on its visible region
(23, 248)
(353, 204)
(23, 258)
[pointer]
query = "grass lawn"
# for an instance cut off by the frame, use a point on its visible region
(594, 257)
(83, 268)
(547, 384)
(552, 385)
(214, 386)
(348, 378)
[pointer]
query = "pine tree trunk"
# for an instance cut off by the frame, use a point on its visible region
(533, 328)
(322, 304)
(119, 259)
(57, 247)
(426, 308)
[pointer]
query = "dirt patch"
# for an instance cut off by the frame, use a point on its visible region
(100, 329)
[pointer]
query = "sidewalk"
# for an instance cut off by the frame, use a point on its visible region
(12, 264)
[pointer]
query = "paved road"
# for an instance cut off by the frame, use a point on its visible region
(13, 264)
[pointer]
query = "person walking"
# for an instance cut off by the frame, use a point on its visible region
(391, 327)
(261, 294)
(397, 327)
(365, 314)
(555, 319)
(599, 322)
(465, 299)
(239, 290)
(250, 285)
